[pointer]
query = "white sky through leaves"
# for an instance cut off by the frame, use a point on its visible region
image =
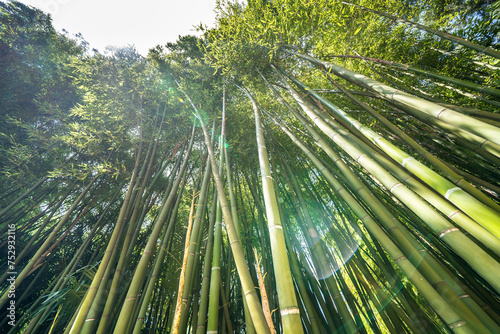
(143, 23)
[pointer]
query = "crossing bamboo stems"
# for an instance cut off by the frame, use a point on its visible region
(137, 280)
(449, 116)
(250, 294)
(289, 311)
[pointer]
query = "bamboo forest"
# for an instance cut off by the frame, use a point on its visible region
(313, 166)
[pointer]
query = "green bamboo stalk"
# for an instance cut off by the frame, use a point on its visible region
(226, 317)
(234, 214)
(71, 267)
(86, 303)
(431, 295)
(158, 262)
(180, 293)
(304, 296)
(215, 277)
(460, 243)
(484, 215)
(450, 116)
(137, 280)
(23, 196)
(290, 316)
(325, 305)
(320, 259)
(424, 154)
(193, 245)
(35, 236)
(461, 219)
(30, 267)
(117, 277)
(254, 306)
(458, 82)
(202, 312)
(479, 63)
(442, 205)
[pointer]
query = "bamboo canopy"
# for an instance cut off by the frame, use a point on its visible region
(301, 167)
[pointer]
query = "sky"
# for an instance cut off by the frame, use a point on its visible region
(144, 23)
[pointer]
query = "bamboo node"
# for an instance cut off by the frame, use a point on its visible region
(451, 191)
(275, 226)
(484, 142)
(405, 161)
(457, 324)
(454, 214)
(394, 93)
(448, 230)
(399, 259)
(438, 284)
(215, 268)
(464, 296)
(440, 113)
(406, 180)
(290, 310)
(357, 160)
(395, 186)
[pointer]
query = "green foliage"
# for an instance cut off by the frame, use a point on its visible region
(36, 88)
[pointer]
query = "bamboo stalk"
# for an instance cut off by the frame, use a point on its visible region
(254, 306)
(180, 292)
(290, 315)
(450, 116)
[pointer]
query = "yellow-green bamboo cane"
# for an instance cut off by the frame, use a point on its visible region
(450, 116)
(255, 309)
(424, 154)
(87, 302)
(452, 319)
(484, 215)
(289, 310)
(472, 253)
(137, 280)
